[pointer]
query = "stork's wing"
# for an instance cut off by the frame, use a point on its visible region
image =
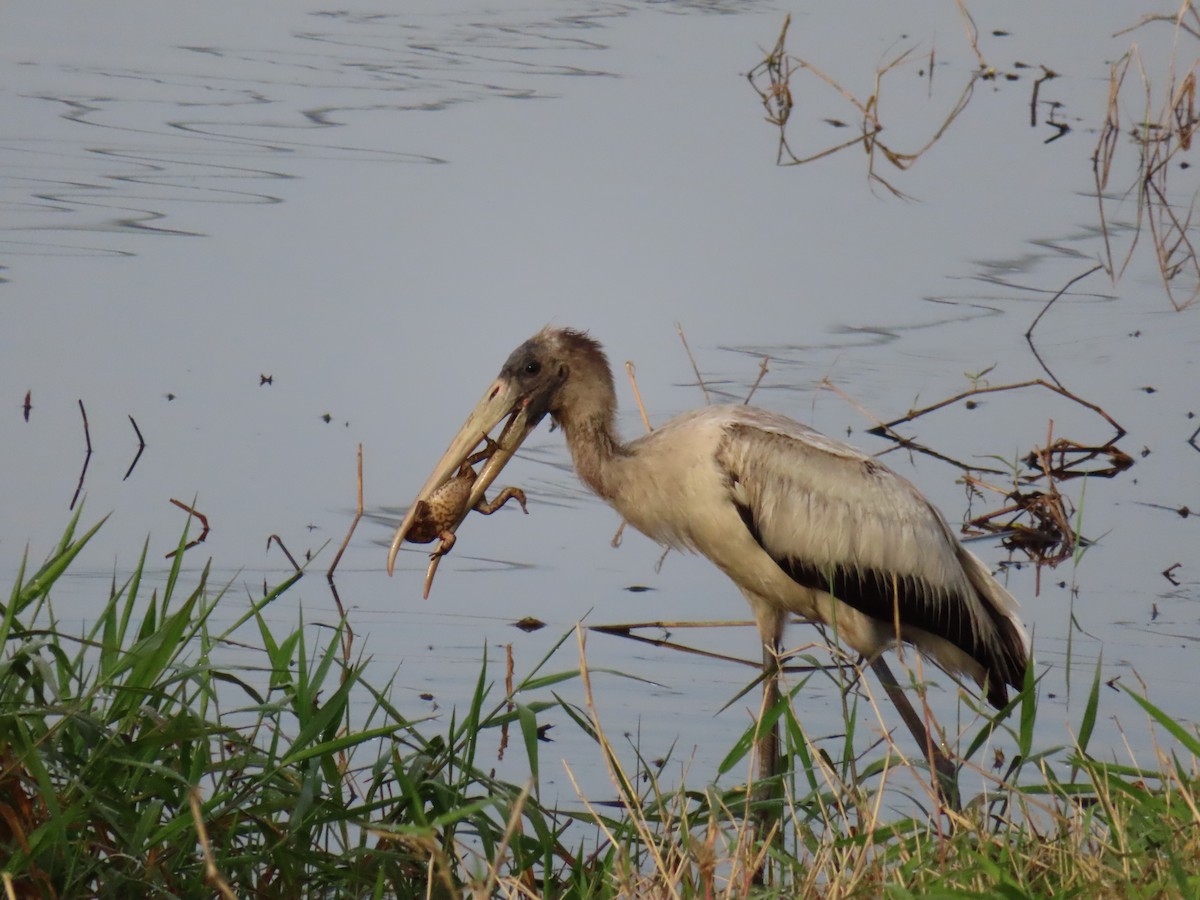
(836, 520)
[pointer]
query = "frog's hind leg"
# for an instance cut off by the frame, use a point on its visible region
(509, 493)
(446, 544)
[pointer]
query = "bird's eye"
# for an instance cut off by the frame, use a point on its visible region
(533, 367)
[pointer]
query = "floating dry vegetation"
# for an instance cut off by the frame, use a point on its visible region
(1036, 517)
(1138, 157)
(772, 80)
(1157, 138)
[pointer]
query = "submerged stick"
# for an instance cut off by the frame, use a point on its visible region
(354, 524)
(762, 371)
(695, 368)
(87, 436)
(885, 429)
(1045, 309)
(348, 637)
(141, 447)
(203, 525)
(277, 539)
(631, 370)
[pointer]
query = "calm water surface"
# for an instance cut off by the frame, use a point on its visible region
(373, 206)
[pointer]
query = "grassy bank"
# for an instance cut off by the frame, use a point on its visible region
(135, 760)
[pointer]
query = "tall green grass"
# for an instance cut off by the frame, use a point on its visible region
(137, 761)
(105, 735)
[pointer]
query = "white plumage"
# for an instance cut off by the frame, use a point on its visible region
(782, 509)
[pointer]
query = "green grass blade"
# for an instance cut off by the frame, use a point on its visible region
(1181, 734)
(39, 586)
(1088, 723)
(529, 731)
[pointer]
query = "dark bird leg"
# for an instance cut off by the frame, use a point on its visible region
(770, 629)
(945, 772)
(768, 743)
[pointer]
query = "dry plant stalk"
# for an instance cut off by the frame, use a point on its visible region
(672, 862)
(1162, 133)
(212, 874)
(348, 634)
(631, 370)
(772, 78)
(692, 360)
(358, 514)
(1036, 521)
(141, 446)
(188, 509)
(87, 458)
(885, 429)
(620, 779)
(509, 668)
(762, 373)
(511, 828)
(1049, 538)
(439, 869)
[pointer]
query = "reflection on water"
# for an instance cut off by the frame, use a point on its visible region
(352, 202)
(219, 124)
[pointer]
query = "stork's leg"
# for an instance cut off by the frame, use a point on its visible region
(770, 630)
(944, 770)
(768, 744)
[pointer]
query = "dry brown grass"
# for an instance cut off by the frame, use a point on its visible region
(1162, 91)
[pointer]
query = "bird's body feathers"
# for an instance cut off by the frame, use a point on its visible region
(807, 525)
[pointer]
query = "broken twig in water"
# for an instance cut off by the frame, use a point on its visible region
(354, 524)
(203, 525)
(141, 447)
(692, 360)
(1160, 136)
(762, 372)
(87, 436)
(1044, 541)
(348, 637)
(631, 370)
(1029, 333)
(886, 429)
(628, 631)
(771, 80)
(278, 540)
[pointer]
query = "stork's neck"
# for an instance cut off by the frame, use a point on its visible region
(588, 422)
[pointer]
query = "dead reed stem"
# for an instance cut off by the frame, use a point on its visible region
(212, 875)
(87, 458)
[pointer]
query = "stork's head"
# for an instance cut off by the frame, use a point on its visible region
(555, 372)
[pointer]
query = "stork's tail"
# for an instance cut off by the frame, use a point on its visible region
(1005, 645)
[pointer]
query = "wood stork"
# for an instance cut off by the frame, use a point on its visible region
(801, 523)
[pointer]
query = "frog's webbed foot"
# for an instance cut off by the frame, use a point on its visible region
(509, 493)
(447, 541)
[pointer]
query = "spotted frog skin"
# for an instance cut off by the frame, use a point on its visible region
(437, 515)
